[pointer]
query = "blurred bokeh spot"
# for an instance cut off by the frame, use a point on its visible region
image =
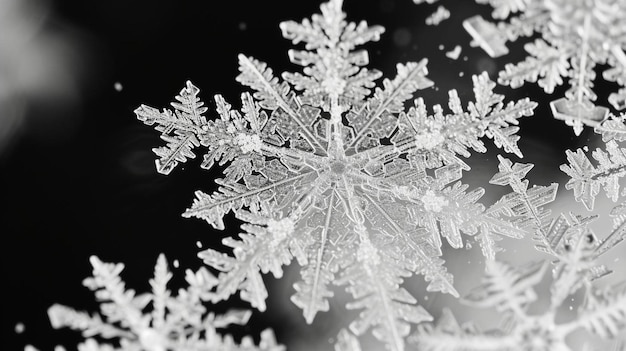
(39, 66)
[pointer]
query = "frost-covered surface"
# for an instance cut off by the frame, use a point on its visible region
(326, 168)
(156, 321)
(576, 38)
(573, 251)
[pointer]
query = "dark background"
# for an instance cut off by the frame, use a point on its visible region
(78, 176)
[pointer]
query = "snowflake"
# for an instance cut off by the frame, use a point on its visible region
(174, 323)
(586, 179)
(322, 169)
(576, 36)
(511, 290)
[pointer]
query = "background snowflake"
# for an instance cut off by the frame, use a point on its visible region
(576, 37)
(175, 322)
(512, 290)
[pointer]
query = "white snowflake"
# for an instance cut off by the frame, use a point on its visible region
(179, 322)
(587, 179)
(329, 168)
(440, 15)
(576, 36)
(511, 290)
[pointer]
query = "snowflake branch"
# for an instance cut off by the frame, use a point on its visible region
(261, 82)
(410, 78)
(204, 205)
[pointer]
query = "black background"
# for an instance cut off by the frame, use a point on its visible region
(78, 176)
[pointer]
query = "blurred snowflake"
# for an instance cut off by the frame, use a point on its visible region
(358, 191)
(174, 323)
(576, 36)
(511, 290)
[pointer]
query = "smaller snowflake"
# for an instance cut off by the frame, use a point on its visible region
(178, 322)
(576, 37)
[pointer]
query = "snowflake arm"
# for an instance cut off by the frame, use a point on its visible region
(333, 69)
(417, 252)
(375, 284)
(507, 288)
(544, 61)
(439, 138)
(603, 315)
(617, 235)
(372, 119)
(275, 96)
(263, 248)
(522, 202)
(448, 335)
(255, 193)
(181, 129)
(586, 179)
(312, 292)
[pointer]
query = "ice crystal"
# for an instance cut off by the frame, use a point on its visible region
(155, 321)
(576, 36)
(586, 179)
(454, 53)
(327, 169)
(440, 15)
(511, 290)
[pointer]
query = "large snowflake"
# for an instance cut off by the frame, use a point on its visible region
(576, 36)
(358, 190)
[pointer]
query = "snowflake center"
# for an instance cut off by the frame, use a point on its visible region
(248, 143)
(428, 141)
(432, 202)
(338, 167)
